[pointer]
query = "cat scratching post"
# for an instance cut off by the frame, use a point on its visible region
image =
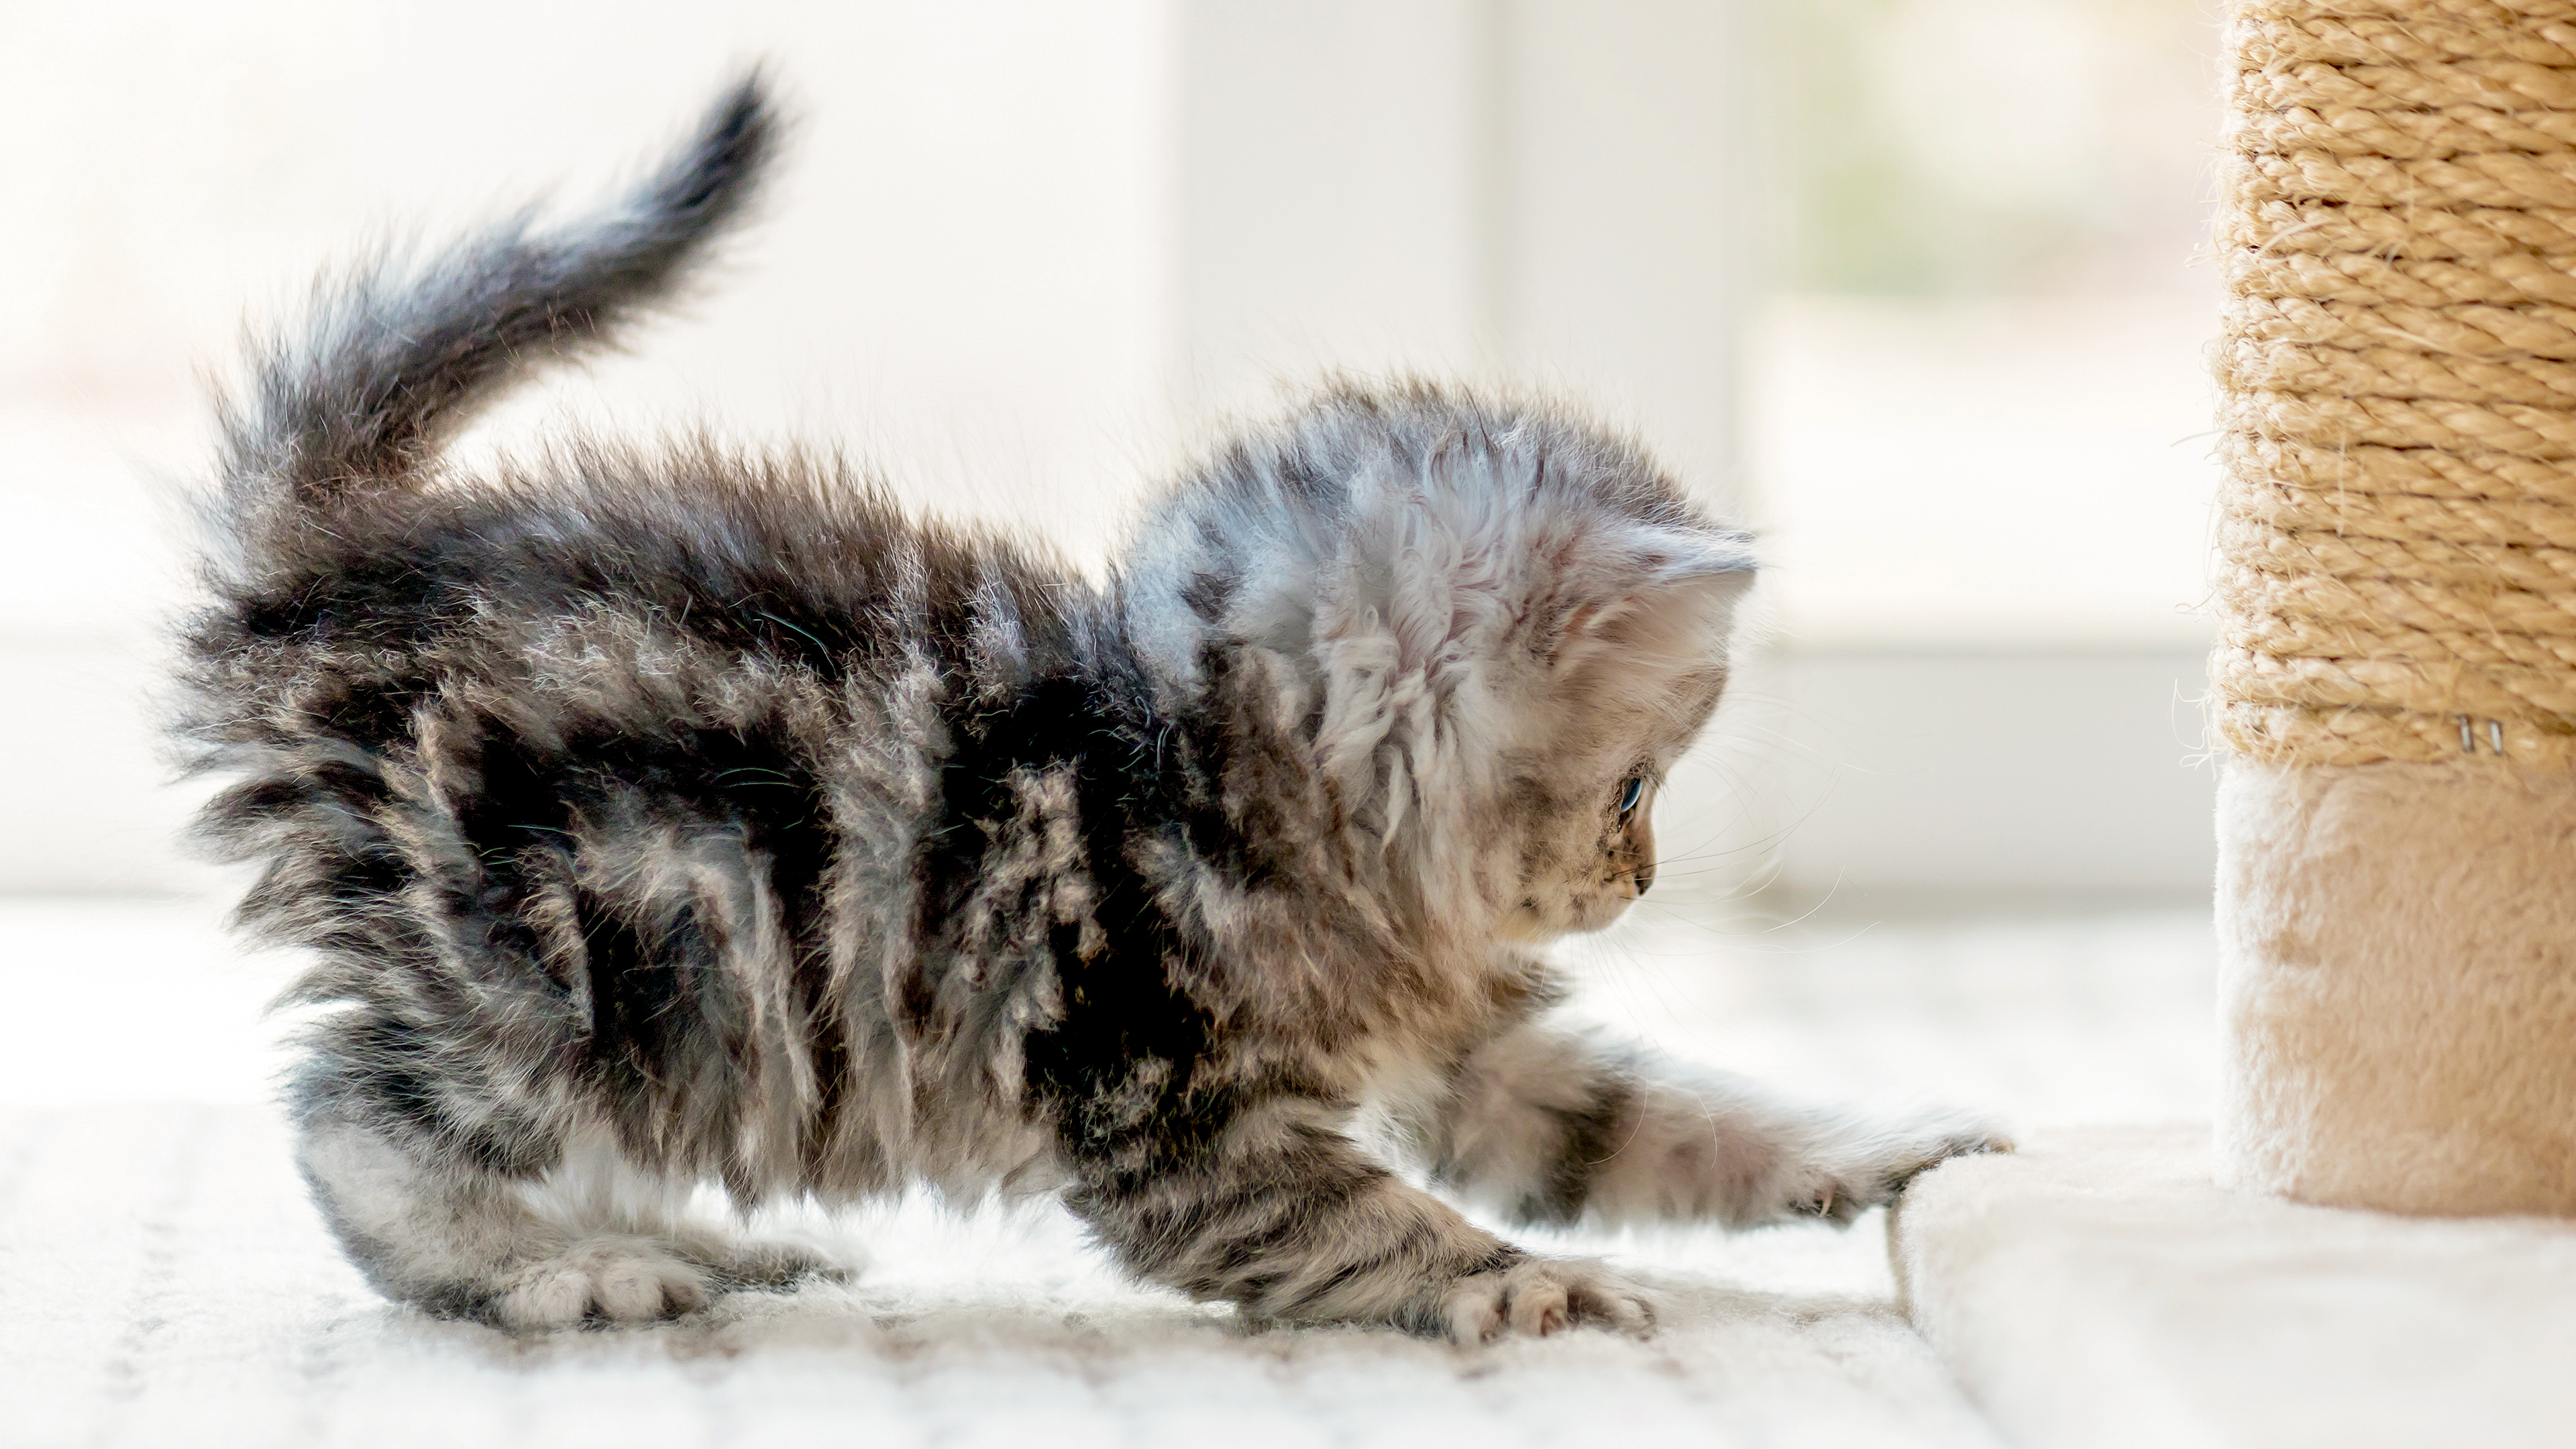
(2396, 678)
(2396, 685)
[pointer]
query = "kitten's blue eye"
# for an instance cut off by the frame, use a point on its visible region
(1629, 797)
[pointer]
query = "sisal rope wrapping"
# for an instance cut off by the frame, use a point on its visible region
(2398, 535)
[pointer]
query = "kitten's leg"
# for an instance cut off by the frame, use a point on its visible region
(588, 1238)
(1552, 1126)
(1272, 1208)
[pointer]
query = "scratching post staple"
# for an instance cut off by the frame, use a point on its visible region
(2396, 672)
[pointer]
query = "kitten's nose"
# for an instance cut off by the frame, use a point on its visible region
(1644, 876)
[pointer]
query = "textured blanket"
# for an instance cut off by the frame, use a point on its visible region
(162, 1282)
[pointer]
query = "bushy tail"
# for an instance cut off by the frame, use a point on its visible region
(393, 359)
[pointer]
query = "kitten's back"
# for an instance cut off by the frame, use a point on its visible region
(573, 774)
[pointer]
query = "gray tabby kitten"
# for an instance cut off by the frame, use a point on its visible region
(658, 818)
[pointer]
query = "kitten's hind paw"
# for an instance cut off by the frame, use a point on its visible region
(620, 1278)
(776, 1264)
(1537, 1296)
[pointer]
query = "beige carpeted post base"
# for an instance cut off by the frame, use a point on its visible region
(2398, 987)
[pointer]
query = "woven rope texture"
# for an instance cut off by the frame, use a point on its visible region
(2398, 542)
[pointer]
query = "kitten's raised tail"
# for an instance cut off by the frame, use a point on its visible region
(394, 357)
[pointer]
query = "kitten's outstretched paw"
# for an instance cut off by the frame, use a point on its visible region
(1541, 1295)
(623, 1279)
(1880, 1165)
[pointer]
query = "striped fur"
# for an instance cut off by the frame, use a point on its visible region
(660, 818)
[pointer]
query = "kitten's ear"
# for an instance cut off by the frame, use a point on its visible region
(1679, 603)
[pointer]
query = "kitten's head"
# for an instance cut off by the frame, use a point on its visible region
(1493, 628)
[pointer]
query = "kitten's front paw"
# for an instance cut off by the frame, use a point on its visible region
(623, 1279)
(1870, 1171)
(1539, 1296)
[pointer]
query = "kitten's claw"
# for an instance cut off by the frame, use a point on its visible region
(622, 1279)
(1882, 1164)
(1538, 1296)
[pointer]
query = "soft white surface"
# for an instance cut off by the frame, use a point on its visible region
(162, 1280)
(167, 1285)
(2096, 1290)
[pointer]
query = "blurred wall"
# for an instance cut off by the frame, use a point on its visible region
(1024, 255)
(1987, 522)
(1904, 282)
(1548, 191)
(965, 273)
(1979, 431)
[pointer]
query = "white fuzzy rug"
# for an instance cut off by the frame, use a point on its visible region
(162, 1281)
(166, 1285)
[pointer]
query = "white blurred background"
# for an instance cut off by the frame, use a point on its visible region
(1906, 283)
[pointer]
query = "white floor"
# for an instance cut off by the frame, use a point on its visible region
(162, 1281)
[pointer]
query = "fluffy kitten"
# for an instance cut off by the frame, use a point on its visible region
(659, 817)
